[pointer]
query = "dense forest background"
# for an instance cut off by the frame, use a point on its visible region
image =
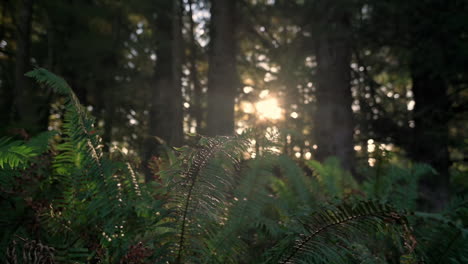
(364, 84)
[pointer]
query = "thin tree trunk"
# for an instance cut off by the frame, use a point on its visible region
(222, 74)
(177, 118)
(430, 138)
(197, 102)
(23, 109)
(50, 61)
(334, 118)
(6, 93)
(109, 112)
(108, 81)
(166, 116)
(430, 90)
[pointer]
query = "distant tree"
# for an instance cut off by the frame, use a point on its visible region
(197, 107)
(165, 115)
(425, 40)
(222, 74)
(333, 122)
(431, 79)
(7, 65)
(28, 109)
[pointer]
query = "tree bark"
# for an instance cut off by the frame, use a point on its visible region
(430, 78)
(430, 135)
(177, 118)
(197, 90)
(24, 110)
(222, 73)
(7, 76)
(109, 84)
(333, 122)
(166, 116)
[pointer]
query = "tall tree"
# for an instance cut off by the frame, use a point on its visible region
(222, 73)
(165, 115)
(25, 106)
(413, 30)
(110, 62)
(7, 68)
(177, 116)
(430, 85)
(197, 89)
(333, 122)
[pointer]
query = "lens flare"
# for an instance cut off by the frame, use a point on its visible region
(269, 109)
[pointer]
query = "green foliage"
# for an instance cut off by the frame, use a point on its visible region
(396, 184)
(330, 232)
(444, 236)
(332, 178)
(15, 153)
(203, 187)
(96, 208)
(67, 201)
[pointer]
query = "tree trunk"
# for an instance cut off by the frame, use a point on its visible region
(176, 128)
(24, 110)
(334, 118)
(430, 76)
(166, 116)
(7, 76)
(430, 138)
(222, 74)
(197, 90)
(109, 85)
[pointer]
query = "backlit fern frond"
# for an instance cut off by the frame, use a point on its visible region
(202, 190)
(51, 80)
(245, 214)
(101, 206)
(17, 153)
(332, 179)
(443, 236)
(330, 233)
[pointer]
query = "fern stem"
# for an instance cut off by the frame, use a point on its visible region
(184, 219)
(319, 230)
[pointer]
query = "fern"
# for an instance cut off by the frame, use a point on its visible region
(202, 187)
(394, 184)
(329, 231)
(333, 180)
(443, 236)
(210, 206)
(100, 207)
(246, 214)
(16, 153)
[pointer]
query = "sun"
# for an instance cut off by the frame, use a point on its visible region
(269, 109)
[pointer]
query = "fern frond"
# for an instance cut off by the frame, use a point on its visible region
(203, 187)
(100, 201)
(330, 230)
(444, 236)
(396, 184)
(444, 243)
(14, 153)
(332, 179)
(51, 80)
(245, 213)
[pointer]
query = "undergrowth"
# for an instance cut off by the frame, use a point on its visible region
(64, 200)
